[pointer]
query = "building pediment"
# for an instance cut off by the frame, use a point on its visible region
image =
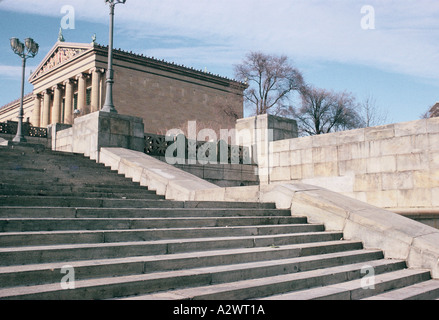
(60, 54)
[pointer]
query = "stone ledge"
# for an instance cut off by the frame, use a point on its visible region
(161, 177)
(399, 237)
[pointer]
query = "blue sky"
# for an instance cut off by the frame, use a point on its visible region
(397, 62)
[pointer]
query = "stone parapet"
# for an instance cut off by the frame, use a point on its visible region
(393, 166)
(100, 129)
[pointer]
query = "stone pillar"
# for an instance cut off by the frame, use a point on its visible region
(46, 109)
(257, 133)
(95, 89)
(56, 113)
(68, 110)
(82, 83)
(36, 113)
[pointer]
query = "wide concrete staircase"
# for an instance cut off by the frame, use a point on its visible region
(62, 215)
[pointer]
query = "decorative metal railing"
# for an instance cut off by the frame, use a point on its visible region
(10, 127)
(203, 152)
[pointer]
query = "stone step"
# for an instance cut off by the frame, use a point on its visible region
(35, 201)
(52, 224)
(45, 164)
(41, 160)
(117, 194)
(16, 161)
(29, 156)
(73, 188)
(97, 181)
(271, 285)
(358, 289)
(66, 180)
(36, 274)
(71, 252)
(227, 276)
(156, 209)
(426, 290)
(42, 177)
(16, 239)
(42, 153)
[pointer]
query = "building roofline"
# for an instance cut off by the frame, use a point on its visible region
(84, 46)
(162, 64)
(10, 104)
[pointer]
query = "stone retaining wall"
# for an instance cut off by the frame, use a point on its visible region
(394, 166)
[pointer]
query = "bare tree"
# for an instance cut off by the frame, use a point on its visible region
(370, 112)
(271, 79)
(325, 111)
(432, 112)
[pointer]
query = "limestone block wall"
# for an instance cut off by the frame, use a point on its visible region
(394, 166)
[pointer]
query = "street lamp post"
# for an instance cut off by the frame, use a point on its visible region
(109, 105)
(27, 50)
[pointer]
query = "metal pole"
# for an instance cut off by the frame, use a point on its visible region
(109, 105)
(19, 137)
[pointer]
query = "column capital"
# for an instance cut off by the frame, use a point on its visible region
(96, 69)
(82, 75)
(57, 86)
(69, 81)
(47, 91)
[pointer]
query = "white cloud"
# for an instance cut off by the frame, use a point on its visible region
(403, 41)
(14, 72)
(10, 72)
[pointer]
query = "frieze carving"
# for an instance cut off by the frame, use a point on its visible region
(60, 56)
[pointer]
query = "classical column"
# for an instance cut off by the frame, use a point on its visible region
(56, 111)
(46, 108)
(95, 89)
(36, 113)
(82, 82)
(68, 107)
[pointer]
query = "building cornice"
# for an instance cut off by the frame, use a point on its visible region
(171, 67)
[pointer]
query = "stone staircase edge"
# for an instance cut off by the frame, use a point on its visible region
(399, 237)
(159, 176)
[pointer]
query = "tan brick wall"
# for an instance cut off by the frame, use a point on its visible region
(166, 103)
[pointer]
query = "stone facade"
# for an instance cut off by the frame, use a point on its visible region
(70, 83)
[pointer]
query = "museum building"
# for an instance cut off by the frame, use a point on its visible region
(71, 80)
